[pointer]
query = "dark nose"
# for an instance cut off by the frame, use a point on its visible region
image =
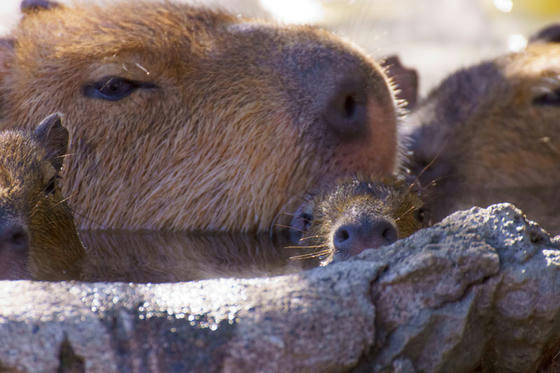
(345, 112)
(14, 236)
(354, 237)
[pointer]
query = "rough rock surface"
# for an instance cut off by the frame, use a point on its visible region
(478, 292)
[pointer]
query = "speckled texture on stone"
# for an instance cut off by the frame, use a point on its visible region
(479, 291)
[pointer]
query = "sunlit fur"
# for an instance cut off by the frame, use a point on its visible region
(55, 251)
(226, 141)
(489, 139)
(391, 198)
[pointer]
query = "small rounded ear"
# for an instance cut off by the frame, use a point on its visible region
(549, 34)
(405, 79)
(53, 137)
(29, 6)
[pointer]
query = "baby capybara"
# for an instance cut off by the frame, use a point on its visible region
(38, 239)
(357, 215)
(489, 133)
(185, 118)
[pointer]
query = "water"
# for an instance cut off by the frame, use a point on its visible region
(172, 257)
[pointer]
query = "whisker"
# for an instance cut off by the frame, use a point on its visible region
(425, 169)
(309, 237)
(62, 201)
(304, 247)
(311, 255)
(404, 213)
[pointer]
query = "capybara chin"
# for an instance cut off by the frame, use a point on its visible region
(183, 118)
(355, 215)
(38, 238)
(490, 133)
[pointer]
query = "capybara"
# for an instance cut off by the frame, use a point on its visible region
(357, 215)
(38, 239)
(489, 133)
(185, 118)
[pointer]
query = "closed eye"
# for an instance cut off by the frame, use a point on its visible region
(51, 185)
(550, 98)
(114, 88)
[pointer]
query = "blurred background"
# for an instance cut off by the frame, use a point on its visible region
(434, 36)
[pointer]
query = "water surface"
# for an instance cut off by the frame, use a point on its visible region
(173, 257)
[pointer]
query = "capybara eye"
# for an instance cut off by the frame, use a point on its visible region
(49, 188)
(300, 224)
(114, 88)
(307, 219)
(420, 215)
(548, 99)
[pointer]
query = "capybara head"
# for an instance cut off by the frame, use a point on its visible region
(489, 134)
(184, 118)
(38, 238)
(357, 215)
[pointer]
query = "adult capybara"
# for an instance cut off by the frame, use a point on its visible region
(38, 238)
(490, 133)
(184, 118)
(356, 215)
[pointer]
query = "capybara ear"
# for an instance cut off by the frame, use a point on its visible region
(29, 6)
(54, 138)
(404, 78)
(549, 34)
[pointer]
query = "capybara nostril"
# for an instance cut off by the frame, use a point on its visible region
(346, 111)
(386, 231)
(346, 238)
(352, 238)
(14, 236)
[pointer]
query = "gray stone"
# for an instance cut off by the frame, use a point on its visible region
(478, 292)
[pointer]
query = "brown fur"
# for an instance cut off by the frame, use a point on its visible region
(54, 251)
(229, 138)
(393, 200)
(491, 132)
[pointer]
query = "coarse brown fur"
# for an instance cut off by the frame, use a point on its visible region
(491, 134)
(393, 200)
(30, 201)
(227, 130)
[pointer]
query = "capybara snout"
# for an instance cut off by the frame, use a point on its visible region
(231, 119)
(351, 216)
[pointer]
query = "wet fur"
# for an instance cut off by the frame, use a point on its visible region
(55, 251)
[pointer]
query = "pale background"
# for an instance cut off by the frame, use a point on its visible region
(435, 36)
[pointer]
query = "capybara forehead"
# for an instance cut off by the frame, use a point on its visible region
(89, 29)
(356, 195)
(184, 42)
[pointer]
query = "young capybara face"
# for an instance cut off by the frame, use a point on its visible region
(489, 134)
(357, 215)
(189, 119)
(38, 238)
